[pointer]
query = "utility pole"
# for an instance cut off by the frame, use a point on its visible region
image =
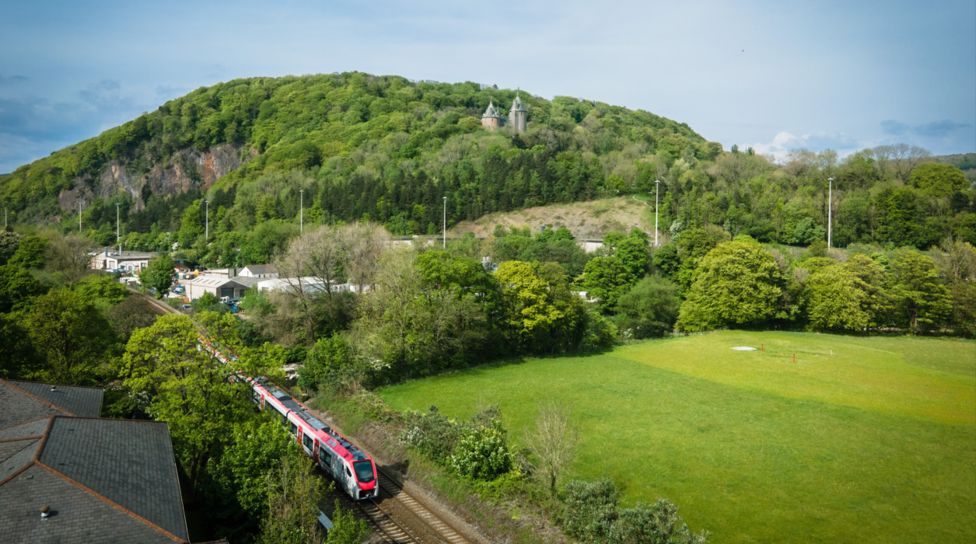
(444, 226)
(4, 218)
(79, 216)
(301, 211)
(657, 190)
(118, 229)
(830, 209)
(206, 221)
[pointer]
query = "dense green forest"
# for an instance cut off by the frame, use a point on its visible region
(388, 149)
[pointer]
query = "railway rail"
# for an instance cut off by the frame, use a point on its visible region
(396, 516)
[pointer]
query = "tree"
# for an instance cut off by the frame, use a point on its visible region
(606, 279)
(329, 364)
(937, 179)
(553, 442)
(541, 312)
(294, 492)
(70, 334)
(174, 381)
(922, 300)
(836, 301)
(158, 274)
(648, 309)
(346, 528)
(17, 354)
(17, 286)
(364, 242)
(736, 284)
(257, 446)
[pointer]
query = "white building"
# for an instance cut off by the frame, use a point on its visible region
(260, 271)
(305, 283)
(128, 261)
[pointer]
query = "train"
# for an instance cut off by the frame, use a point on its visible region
(353, 470)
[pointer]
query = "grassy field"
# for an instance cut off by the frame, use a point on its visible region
(859, 440)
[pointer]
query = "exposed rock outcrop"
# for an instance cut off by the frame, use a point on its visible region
(185, 171)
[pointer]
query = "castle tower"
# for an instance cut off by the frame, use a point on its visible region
(517, 115)
(491, 119)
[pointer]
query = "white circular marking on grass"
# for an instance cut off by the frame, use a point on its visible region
(744, 348)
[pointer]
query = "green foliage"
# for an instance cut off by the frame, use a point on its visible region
(736, 284)
(329, 365)
(294, 491)
(848, 296)
(30, 252)
(655, 524)
(17, 353)
(257, 446)
(102, 290)
(431, 433)
(541, 312)
(71, 334)
(346, 527)
(648, 309)
(549, 245)
(17, 286)
(482, 453)
(158, 274)
(589, 510)
(183, 386)
(940, 180)
(9, 241)
(922, 300)
(606, 279)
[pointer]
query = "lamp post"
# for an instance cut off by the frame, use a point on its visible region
(206, 221)
(830, 209)
(118, 230)
(301, 211)
(657, 190)
(79, 217)
(444, 226)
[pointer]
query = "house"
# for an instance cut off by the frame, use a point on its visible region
(218, 285)
(307, 284)
(260, 271)
(67, 475)
(128, 261)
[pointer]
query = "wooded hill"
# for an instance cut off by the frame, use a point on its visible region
(388, 149)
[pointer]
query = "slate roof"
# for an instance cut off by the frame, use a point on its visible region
(79, 401)
(104, 480)
(260, 269)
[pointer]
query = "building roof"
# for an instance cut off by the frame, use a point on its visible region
(517, 104)
(491, 111)
(129, 255)
(103, 480)
(69, 400)
(261, 269)
(214, 281)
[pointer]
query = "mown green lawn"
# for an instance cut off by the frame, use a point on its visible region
(860, 440)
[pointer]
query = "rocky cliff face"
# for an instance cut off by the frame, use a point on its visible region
(186, 170)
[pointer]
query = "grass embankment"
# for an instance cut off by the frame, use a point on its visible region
(860, 440)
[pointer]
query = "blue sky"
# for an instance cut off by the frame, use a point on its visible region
(772, 75)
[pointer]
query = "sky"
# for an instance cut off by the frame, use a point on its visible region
(775, 75)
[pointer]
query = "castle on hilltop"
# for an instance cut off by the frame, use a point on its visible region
(493, 120)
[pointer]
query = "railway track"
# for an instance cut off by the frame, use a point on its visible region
(397, 517)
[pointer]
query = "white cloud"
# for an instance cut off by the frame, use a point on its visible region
(784, 142)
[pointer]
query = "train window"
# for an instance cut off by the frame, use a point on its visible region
(307, 441)
(364, 471)
(294, 429)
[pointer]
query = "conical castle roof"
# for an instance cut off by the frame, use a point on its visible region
(491, 111)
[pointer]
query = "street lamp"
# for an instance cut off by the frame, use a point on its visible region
(657, 190)
(301, 211)
(206, 221)
(444, 226)
(830, 209)
(118, 230)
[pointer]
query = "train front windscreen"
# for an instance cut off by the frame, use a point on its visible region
(364, 471)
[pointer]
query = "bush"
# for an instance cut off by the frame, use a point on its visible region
(482, 454)
(657, 524)
(590, 509)
(432, 434)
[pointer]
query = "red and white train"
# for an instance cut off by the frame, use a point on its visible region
(352, 469)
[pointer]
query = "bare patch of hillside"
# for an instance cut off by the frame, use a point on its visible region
(586, 220)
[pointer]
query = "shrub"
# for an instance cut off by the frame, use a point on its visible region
(482, 454)
(589, 510)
